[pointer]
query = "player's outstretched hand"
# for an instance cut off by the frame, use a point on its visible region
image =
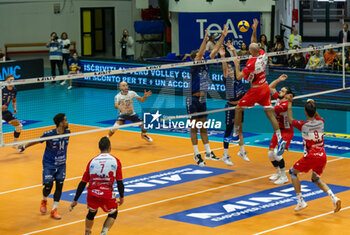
(147, 93)
(255, 24)
(225, 31)
(4, 107)
(289, 97)
(236, 60)
(283, 77)
(121, 201)
(222, 52)
(206, 35)
(231, 47)
(72, 205)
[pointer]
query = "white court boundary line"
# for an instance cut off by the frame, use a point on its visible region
(165, 200)
(300, 221)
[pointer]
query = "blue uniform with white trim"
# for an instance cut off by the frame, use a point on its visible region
(7, 96)
(55, 156)
(199, 83)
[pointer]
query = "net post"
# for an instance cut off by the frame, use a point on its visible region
(343, 60)
(1, 131)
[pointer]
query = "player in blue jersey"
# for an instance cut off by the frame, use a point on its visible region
(9, 94)
(54, 162)
(196, 100)
(234, 92)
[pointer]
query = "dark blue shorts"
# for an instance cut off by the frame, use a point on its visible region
(230, 114)
(196, 104)
(51, 173)
(8, 116)
(126, 117)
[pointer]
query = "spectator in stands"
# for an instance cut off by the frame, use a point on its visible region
(329, 57)
(338, 62)
(65, 50)
(55, 54)
(297, 60)
(294, 39)
(263, 43)
(3, 57)
(316, 61)
(280, 60)
(344, 33)
(74, 67)
(210, 44)
(244, 50)
(309, 54)
(127, 46)
(276, 39)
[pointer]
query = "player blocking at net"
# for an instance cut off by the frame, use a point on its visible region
(255, 73)
(9, 94)
(287, 132)
(54, 162)
(124, 102)
(101, 173)
(314, 158)
(196, 100)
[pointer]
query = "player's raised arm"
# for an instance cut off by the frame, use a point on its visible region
(201, 50)
(273, 84)
(224, 64)
(239, 73)
(231, 48)
(254, 26)
(289, 112)
(145, 95)
(219, 43)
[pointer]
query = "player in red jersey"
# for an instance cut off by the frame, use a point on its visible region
(314, 158)
(254, 72)
(287, 132)
(101, 173)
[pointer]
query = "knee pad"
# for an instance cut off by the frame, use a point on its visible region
(19, 127)
(315, 178)
(91, 215)
(113, 215)
(272, 155)
(278, 158)
(292, 173)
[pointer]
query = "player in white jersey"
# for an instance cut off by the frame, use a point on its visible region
(124, 101)
(314, 158)
(101, 173)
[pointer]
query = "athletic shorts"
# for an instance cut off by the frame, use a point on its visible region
(51, 173)
(287, 135)
(260, 95)
(126, 117)
(7, 116)
(108, 205)
(315, 161)
(230, 114)
(196, 104)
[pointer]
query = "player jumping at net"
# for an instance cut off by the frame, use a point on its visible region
(54, 162)
(314, 158)
(234, 92)
(254, 72)
(196, 101)
(9, 94)
(124, 101)
(280, 109)
(101, 173)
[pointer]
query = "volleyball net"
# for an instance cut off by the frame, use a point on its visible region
(89, 106)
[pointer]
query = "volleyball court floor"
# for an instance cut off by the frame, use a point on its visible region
(166, 192)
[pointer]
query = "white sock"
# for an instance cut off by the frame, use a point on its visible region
(104, 231)
(55, 204)
(283, 172)
(241, 148)
(225, 152)
(278, 133)
(235, 130)
(300, 197)
(196, 151)
(207, 148)
(278, 170)
(331, 194)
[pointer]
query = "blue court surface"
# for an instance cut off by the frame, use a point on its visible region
(95, 107)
